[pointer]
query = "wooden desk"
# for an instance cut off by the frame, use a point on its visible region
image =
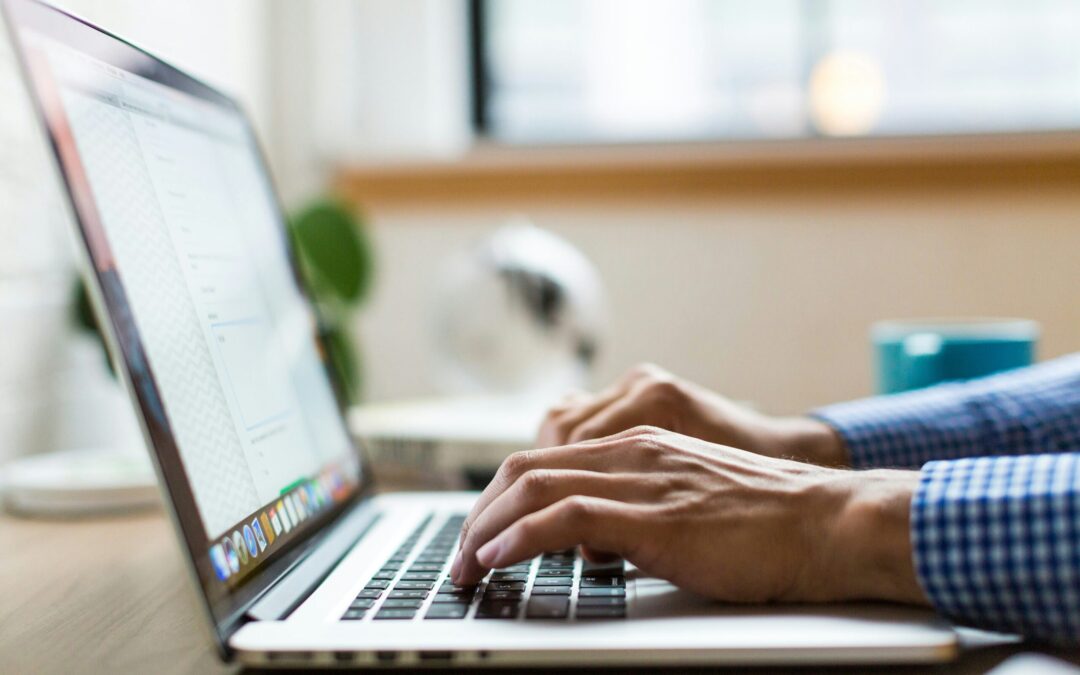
(110, 595)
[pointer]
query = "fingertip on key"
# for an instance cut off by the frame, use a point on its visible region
(455, 567)
(488, 554)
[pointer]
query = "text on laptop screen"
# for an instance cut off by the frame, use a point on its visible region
(187, 217)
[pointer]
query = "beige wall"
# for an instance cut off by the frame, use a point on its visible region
(768, 296)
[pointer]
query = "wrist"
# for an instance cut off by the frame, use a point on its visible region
(809, 440)
(867, 550)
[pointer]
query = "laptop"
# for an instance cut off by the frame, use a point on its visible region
(296, 560)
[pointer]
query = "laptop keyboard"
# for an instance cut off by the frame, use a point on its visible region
(413, 584)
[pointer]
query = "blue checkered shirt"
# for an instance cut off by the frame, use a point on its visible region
(995, 521)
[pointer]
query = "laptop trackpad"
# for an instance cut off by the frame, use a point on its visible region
(655, 598)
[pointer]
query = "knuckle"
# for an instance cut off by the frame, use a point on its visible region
(576, 508)
(650, 447)
(536, 481)
(665, 391)
(646, 431)
(518, 463)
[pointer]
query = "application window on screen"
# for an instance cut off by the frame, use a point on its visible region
(197, 236)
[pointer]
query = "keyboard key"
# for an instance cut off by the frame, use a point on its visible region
(551, 590)
(402, 603)
(354, 614)
(426, 567)
(506, 586)
(593, 601)
(369, 593)
(497, 610)
(602, 569)
(378, 583)
(556, 564)
(413, 585)
(552, 581)
(497, 596)
(595, 581)
(444, 598)
(450, 587)
(447, 611)
(447, 598)
(509, 576)
(567, 572)
(362, 603)
(601, 592)
(420, 576)
(547, 607)
(384, 574)
(395, 614)
(523, 567)
(593, 612)
(413, 594)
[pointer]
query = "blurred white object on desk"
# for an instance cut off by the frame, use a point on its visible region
(439, 442)
(522, 311)
(80, 482)
(56, 394)
(34, 313)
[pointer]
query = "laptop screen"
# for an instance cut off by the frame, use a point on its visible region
(189, 249)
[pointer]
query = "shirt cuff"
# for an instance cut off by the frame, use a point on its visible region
(996, 543)
(905, 430)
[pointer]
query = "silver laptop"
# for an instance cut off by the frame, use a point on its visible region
(295, 559)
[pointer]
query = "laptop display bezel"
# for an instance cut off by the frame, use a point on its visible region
(224, 606)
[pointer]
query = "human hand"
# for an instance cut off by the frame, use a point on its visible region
(649, 395)
(721, 522)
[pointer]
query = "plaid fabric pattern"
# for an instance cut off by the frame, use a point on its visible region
(996, 543)
(1028, 411)
(995, 522)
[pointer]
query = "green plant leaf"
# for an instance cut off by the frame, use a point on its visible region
(82, 311)
(335, 250)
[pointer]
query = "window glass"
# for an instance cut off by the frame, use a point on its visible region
(639, 70)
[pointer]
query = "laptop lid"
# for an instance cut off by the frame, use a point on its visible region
(208, 320)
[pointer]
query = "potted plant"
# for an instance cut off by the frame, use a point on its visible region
(336, 261)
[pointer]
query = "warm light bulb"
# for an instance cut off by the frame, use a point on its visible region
(847, 94)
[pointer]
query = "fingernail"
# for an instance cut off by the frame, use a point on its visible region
(455, 567)
(489, 553)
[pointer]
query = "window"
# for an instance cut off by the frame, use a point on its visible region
(565, 71)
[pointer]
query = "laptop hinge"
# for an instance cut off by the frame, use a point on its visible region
(293, 588)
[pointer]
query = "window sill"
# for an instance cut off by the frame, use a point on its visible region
(493, 172)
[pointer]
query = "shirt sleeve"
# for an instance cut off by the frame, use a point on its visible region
(996, 543)
(1027, 411)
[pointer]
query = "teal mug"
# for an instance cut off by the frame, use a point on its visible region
(917, 353)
